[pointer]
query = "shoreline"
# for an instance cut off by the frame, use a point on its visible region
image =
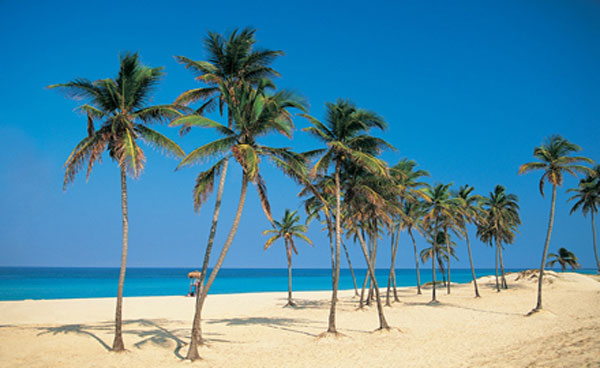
(254, 330)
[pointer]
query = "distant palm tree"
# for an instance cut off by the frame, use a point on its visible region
(499, 223)
(255, 114)
(231, 62)
(442, 243)
(587, 195)
(555, 159)
(564, 258)
(471, 212)
(287, 229)
(345, 134)
(121, 105)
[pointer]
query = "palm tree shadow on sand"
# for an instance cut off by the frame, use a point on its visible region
(285, 324)
(149, 332)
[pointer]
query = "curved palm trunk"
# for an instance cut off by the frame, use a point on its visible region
(449, 257)
(594, 237)
(288, 250)
(371, 294)
(118, 344)
(338, 238)
(504, 284)
(351, 269)
(197, 339)
(367, 280)
(550, 224)
(416, 261)
(392, 276)
(471, 262)
(497, 283)
(196, 325)
(383, 325)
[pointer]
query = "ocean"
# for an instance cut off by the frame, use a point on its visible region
(20, 283)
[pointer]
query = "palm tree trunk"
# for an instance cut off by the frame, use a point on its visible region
(366, 281)
(351, 269)
(288, 249)
(392, 270)
(550, 224)
(389, 283)
(449, 256)
(196, 325)
(497, 283)
(471, 261)
(433, 257)
(332, 251)
(383, 325)
(371, 294)
(594, 237)
(504, 284)
(416, 261)
(118, 344)
(338, 238)
(196, 340)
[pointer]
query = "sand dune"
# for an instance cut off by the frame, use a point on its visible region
(253, 330)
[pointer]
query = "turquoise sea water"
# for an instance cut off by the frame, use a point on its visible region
(18, 283)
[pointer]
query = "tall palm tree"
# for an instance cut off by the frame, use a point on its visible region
(499, 222)
(587, 195)
(413, 211)
(232, 61)
(471, 209)
(554, 159)
(345, 133)
(255, 114)
(288, 229)
(120, 105)
(564, 258)
(441, 210)
(443, 243)
(405, 177)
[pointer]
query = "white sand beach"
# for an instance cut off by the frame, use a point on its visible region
(253, 330)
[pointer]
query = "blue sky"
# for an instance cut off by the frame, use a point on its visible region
(468, 89)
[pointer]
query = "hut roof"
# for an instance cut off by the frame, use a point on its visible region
(194, 274)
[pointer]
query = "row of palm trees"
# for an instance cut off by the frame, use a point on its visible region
(344, 184)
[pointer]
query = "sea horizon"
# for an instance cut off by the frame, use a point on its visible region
(36, 283)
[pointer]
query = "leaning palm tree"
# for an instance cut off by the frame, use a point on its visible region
(345, 133)
(288, 229)
(120, 105)
(471, 213)
(587, 195)
(499, 222)
(255, 114)
(554, 159)
(232, 61)
(564, 258)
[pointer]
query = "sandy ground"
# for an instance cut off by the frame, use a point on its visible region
(253, 330)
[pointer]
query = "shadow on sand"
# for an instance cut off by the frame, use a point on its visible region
(285, 324)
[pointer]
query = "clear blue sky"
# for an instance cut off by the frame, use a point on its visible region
(469, 89)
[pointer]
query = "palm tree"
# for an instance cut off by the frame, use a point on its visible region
(232, 61)
(441, 251)
(405, 177)
(441, 209)
(345, 133)
(564, 258)
(471, 209)
(499, 222)
(554, 159)
(255, 114)
(121, 106)
(413, 212)
(587, 195)
(287, 229)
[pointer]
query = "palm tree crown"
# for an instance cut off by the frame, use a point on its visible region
(564, 258)
(288, 228)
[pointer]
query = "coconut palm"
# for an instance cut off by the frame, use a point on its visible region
(255, 114)
(412, 219)
(587, 195)
(499, 222)
(231, 61)
(441, 210)
(345, 133)
(564, 258)
(470, 213)
(120, 107)
(443, 243)
(554, 159)
(288, 229)
(405, 177)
